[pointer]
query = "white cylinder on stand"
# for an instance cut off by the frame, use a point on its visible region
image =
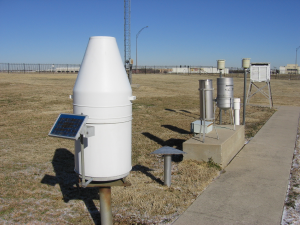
(221, 64)
(102, 91)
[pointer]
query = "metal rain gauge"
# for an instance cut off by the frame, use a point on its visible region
(225, 96)
(207, 109)
(245, 65)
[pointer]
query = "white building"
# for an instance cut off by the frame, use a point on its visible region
(198, 70)
(289, 69)
(72, 69)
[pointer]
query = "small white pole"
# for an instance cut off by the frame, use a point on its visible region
(236, 107)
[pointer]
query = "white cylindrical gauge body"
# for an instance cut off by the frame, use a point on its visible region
(246, 63)
(221, 64)
(102, 91)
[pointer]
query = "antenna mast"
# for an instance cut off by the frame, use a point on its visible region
(127, 39)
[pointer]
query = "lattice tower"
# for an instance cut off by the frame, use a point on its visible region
(127, 33)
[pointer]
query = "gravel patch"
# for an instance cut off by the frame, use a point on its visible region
(291, 211)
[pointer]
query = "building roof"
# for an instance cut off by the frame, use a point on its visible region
(260, 64)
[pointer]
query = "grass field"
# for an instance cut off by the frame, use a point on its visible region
(37, 171)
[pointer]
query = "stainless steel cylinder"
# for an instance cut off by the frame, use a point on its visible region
(206, 100)
(225, 92)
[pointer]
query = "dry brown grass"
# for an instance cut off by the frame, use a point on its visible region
(37, 171)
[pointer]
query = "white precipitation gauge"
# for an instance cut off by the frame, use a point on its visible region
(102, 91)
(101, 123)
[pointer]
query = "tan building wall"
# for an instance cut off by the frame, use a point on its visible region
(290, 69)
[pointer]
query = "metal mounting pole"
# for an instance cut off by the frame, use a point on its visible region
(220, 112)
(296, 65)
(167, 153)
(232, 116)
(82, 161)
(214, 121)
(167, 170)
(105, 205)
(130, 73)
(204, 112)
(244, 107)
(202, 120)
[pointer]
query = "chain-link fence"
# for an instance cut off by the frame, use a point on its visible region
(38, 68)
(285, 76)
(181, 69)
(74, 68)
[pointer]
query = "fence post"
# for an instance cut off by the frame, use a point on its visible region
(24, 67)
(8, 67)
(39, 69)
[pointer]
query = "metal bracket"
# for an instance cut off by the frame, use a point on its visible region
(88, 131)
(85, 184)
(120, 182)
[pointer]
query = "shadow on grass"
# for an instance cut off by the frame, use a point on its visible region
(145, 170)
(66, 178)
(172, 142)
(182, 110)
(171, 110)
(184, 113)
(176, 129)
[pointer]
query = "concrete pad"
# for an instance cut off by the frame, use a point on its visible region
(221, 151)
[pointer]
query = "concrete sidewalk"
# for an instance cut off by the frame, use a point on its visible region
(253, 188)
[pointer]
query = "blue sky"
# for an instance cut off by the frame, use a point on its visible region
(189, 32)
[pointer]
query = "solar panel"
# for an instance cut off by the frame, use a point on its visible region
(68, 126)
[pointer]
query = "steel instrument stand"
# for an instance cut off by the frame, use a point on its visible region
(260, 89)
(231, 115)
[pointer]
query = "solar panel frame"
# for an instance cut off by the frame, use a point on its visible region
(68, 126)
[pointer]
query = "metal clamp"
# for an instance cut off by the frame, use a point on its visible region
(87, 131)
